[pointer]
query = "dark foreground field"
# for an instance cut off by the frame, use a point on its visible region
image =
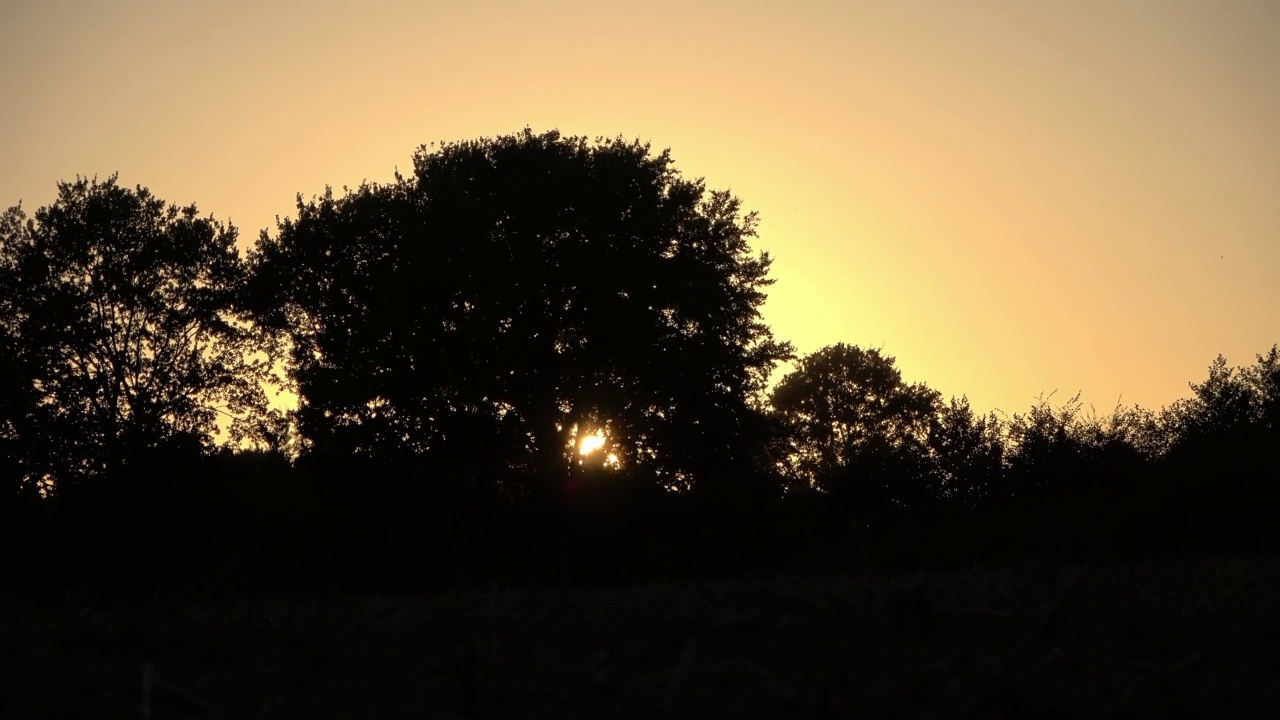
(1179, 639)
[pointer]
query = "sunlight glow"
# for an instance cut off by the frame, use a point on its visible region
(889, 228)
(591, 443)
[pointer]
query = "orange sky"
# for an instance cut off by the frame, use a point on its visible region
(1010, 197)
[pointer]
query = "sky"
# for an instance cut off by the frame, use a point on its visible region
(1009, 197)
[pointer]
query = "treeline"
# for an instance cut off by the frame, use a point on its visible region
(537, 359)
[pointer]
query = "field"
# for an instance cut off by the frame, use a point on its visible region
(1190, 638)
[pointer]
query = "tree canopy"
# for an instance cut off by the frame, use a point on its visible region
(117, 315)
(859, 431)
(517, 295)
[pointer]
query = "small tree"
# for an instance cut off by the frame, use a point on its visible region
(1044, 452)
(119, 317)
(968, 453)
(1222, 467)
(859, 434)
(1264, 377)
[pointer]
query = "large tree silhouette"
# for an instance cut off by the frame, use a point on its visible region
(517, 295)
(119, 336)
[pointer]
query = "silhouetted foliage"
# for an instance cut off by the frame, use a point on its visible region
(1264, 378)
(968, 453)
(516, 295)
(1229, 400)
(1065, 474)
(1222, 484)
(860, 436)
(121, 312)
(858, 430)
(17, 409)
(1045, 452)
(455, 336)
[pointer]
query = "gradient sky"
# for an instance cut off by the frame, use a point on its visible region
(1010, 197)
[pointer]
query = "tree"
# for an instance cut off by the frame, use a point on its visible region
(858, 430)
(1045, 451)
(516, 296)
(1224, 402)
(1264, 379)
(118, 314)
(968, 453)
(1229, 402)
(18, 400)
(1223, 460)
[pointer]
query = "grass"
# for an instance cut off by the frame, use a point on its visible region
(1193, 638)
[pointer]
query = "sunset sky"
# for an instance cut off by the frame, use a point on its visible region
(1010, 197)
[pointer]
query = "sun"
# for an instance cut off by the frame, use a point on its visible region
(591, 443)
(594, 443)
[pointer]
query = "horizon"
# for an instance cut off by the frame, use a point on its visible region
(1052, 198)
